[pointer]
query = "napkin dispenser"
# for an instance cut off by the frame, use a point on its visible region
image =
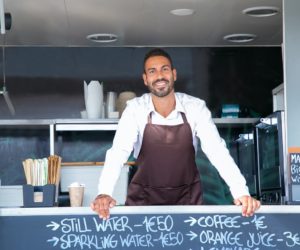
(39, 196)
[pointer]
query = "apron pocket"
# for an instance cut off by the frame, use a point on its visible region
(135, 195)
(167, 195)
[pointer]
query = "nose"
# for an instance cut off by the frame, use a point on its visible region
(159, 74)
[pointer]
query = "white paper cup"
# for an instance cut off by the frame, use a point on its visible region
(76, 194)
(111, 100)
(113, 115)
(83, 114)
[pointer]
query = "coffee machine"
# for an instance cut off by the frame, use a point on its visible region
(270, 159)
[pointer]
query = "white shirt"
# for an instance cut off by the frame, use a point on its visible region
(129, 135)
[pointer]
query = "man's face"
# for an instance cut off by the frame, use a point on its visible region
(159, 77)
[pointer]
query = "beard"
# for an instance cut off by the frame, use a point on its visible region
(163, 91)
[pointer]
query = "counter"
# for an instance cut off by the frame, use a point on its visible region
(156, 227)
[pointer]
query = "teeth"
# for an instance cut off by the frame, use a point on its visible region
(160, 83)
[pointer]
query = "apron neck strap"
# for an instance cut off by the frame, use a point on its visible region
(150, 117)
(184, 117)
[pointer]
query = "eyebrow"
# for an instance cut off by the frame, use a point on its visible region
(165, 65)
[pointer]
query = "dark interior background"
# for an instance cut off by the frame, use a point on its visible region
(47, 82)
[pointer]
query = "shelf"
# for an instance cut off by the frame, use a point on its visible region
(86, 124)
(30, 122)
(26, 124)
(86, 127)
(105, 124)
(86, 121)
(235, 121)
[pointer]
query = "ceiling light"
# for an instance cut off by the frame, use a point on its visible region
(239, 38)
(102, 38)
(261, 11)
(182, 12)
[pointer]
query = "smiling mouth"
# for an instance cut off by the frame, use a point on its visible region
(160, 83)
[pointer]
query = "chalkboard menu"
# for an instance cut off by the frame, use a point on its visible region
(184, 231)
(295, 167)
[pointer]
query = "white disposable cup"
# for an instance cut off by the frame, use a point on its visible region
(83, 114)
(111, 100)
(76, 195)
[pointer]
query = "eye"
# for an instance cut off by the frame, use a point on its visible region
(166, 68)
(151, 71)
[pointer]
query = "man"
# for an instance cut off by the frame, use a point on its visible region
(162, 127)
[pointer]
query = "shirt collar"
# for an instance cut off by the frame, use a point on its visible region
(178, 107)
(150, 104)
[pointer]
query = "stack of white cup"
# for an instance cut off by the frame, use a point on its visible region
(111, 100)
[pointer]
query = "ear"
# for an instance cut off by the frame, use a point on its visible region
(174, 74)
(145, 79)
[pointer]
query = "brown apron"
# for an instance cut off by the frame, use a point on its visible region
(167, 173)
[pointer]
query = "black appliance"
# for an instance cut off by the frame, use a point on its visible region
(245, 158)
(270, 158)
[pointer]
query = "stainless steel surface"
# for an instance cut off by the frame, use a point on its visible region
(11, 196)
(232, 121)
(286, 171)
(86, 124)
(139, 22)
(85, 127)
(86, 121)
(52, 139)
(66, 122)
(99, 124)
(89, 176)
(25, 122)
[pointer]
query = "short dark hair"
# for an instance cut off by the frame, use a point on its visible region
(158, 52)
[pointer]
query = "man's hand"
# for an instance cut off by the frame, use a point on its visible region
(102, 204)
(249, 205)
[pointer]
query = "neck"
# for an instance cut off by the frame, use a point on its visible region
(164, 105)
